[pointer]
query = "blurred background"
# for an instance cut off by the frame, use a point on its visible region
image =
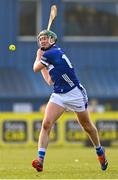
(87, 30)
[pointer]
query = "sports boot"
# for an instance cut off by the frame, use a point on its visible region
(102, 159)
(38, 164)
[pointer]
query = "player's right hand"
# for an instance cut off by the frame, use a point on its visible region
(39, 53)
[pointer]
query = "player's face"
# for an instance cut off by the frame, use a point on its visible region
(44, 42)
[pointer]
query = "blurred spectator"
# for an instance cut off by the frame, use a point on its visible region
(115, 26)
(42, 108)
(108, 107)
(104, 26)
(94, 106)
(90, 25)
(72, 26)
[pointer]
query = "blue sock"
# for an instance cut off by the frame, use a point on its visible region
(41, 153)
(99, 150)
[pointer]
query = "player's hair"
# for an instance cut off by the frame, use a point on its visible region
(49, 33)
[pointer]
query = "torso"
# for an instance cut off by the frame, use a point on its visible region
(60, 70)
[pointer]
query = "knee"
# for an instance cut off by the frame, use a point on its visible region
(46, 125)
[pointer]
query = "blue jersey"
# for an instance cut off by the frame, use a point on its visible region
(60, 70)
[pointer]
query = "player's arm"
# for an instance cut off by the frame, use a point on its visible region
(46, 76)
(38, 66)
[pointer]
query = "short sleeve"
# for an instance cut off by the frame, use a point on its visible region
(46, 58)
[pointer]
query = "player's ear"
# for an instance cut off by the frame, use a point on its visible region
(51, 40)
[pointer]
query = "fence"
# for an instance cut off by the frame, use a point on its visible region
(23, 128)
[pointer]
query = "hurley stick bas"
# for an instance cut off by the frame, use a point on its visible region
(53, 14)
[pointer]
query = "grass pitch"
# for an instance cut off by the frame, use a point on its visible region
(60, 163)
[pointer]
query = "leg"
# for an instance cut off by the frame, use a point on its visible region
(89, 127)
(52, 113)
